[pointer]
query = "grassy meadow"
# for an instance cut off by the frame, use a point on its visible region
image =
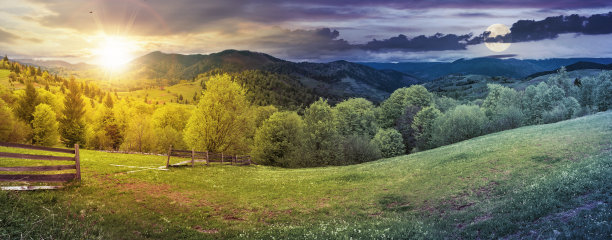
(551, 181)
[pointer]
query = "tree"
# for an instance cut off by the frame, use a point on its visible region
(6, 121)
(322, 140)
(139, 134)
(389, 141)
(169, 122)
(109, 101)
(5, 58)
(463, 122)
(72, 127)
(423, 126)
(394, 106)
(604, 93)
(404, 126)
(219, 121)
(44, 126)
(27, 103)
(499, 97)
(356, 116)
(279, 139)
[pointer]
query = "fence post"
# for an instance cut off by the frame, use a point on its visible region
(192, 153)
(206, 158)
(169, 152)
(221, 157)
(77, 162)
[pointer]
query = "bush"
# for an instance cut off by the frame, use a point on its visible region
(506, 118)
(359, 149)
(463, 122)
(278, 140)
(389, 141)
(45, 126)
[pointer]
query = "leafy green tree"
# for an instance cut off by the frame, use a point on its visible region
(72, 127)
(44, 126)
(499, 97)
(423, 126)
(139, 134)
(322, 140)
(169, 122)
(392, 108)
(6, 121)
(389, 141)
(463, 122)
(261, 113)
(278, 140)
(604, 93)
(356, 116)
(219, 121)
(444, 103)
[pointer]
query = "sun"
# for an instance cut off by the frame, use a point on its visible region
(498, 30)
(113, 53)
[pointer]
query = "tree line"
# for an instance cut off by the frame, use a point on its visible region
(227, 118)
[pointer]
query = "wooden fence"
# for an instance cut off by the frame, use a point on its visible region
(205, 157)
(64, 177)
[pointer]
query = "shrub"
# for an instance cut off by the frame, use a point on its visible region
(278, 140)
(389, 141)
(507, 118)
(45, 126)
(463, 122)
(359, 149)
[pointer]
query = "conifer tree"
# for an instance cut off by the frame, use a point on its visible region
(72, 127)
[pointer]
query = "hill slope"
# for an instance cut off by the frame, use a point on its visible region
(536, 181)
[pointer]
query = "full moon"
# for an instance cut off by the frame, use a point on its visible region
(498, 30)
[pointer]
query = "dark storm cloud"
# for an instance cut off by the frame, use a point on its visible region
(551, 27)
(161, 17)
(310, 43)
(437, 42)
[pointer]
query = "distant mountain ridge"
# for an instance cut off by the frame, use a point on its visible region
(514, 68)
(574, 67)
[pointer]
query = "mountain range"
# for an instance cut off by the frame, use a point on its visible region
(512, 68)
(333, 80)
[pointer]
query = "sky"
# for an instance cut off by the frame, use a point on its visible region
(314, 30)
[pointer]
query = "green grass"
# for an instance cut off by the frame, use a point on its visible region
(168, 93)
(4, 79)
(550, 180)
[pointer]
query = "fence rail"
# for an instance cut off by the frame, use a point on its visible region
(63, 177)
(205, 157)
